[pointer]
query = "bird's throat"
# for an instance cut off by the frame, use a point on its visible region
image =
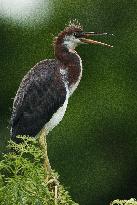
(71, 62)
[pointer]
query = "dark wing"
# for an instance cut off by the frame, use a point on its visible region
(39, 96)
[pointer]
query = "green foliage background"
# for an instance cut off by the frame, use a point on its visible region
(94, 149)
(24, 181)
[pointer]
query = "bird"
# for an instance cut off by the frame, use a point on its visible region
(42, 97)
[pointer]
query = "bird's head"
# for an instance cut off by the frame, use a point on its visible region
(74, 35)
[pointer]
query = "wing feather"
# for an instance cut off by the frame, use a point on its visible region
(41, 93)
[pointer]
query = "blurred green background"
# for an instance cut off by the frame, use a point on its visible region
(94, 149)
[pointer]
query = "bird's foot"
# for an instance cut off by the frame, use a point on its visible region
(53, 185)
(52, 181)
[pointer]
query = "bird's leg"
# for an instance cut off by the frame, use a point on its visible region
(51, 181)
(43, 145)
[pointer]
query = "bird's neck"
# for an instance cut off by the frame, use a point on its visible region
(71, 62)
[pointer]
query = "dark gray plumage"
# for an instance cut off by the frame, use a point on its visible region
(39, 96)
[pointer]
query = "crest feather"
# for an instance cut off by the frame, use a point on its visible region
(74, 24)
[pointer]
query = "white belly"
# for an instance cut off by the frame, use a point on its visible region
(57, 117)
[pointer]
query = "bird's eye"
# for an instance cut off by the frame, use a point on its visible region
(77, 34)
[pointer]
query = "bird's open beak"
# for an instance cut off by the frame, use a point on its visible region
(90, 41)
